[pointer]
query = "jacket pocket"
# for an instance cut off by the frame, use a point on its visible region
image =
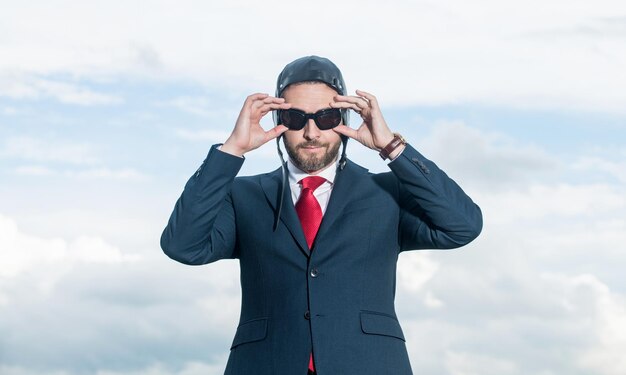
(375, 323)
(250, 331)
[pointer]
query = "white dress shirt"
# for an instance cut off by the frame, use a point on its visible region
(322, 193)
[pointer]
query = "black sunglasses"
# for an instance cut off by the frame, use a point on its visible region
(296, 119)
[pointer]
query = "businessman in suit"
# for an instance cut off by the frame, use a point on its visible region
(317, 239)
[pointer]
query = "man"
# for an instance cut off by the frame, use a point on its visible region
(317, 239)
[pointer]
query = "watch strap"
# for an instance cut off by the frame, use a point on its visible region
(396, 142)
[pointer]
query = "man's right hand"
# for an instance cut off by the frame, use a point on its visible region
(248, 133)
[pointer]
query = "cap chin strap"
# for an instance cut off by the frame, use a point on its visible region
(343, 159)
(283, 182)
(283, 175)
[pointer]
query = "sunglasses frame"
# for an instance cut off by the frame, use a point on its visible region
(314, 116)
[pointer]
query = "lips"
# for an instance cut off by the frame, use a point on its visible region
(311, 149)
(311, 146)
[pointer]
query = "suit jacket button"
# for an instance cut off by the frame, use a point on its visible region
(314, 272)
(307, 315)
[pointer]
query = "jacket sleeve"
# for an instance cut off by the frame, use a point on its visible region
(435, 212)
(202, 228)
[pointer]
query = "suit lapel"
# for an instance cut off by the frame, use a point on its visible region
(271, 184)
(346, 182)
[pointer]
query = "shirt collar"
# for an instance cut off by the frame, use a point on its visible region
(296, 174)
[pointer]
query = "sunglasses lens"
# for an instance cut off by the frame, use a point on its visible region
(292, 119)
(328, 119)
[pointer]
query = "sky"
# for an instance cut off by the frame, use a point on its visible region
(108, 107)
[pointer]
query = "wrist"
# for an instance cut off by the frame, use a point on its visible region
(384, 141)
(393, 148)
(230, 148)
(393, 155)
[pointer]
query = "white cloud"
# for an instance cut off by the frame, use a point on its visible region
(23, 86)
(617, 169)
(415, 269)
(108, 174)
(431, 301)
(103, 221)
(102, 173)
(39, 150)
(202, 106)
(475, 364)
(486, 160)
(9, 111)
(449, 52)
(47, 259)
(80, 155)
(19, 370)
(21, 252)
(223, 304)
(551, 202)
(190, 368)
(73, 94)
(210, 135)
(34, 170)
(586, 294)
(63, 295)
(95, 250)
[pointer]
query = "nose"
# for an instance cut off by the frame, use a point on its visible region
(311, 131)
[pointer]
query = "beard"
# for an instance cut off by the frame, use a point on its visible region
(312, 163)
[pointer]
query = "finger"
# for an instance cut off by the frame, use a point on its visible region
(272, 106)
(268, 110)
(261, 103)
(251, 99)
(271, 99)
(257, 96)
(345, 105)
(350, 98)
(361, 102)
(275, 132)
(372, 99)
(346, 130)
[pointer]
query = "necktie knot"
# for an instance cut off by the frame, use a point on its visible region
(312, 182)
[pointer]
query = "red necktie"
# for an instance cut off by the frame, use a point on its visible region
(308, 208)
(310, 215)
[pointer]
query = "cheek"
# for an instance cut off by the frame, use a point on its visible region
(291, 138)
(331, 137)
(334, 142)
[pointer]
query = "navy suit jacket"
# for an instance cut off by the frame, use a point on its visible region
(336, 299)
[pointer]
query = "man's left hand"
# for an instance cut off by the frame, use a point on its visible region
(373, 132)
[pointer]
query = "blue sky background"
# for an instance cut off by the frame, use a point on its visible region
(106, 108)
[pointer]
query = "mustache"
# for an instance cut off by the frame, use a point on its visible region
(312, 144)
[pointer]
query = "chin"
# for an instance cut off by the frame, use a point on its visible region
(308, 162)
(314, 163)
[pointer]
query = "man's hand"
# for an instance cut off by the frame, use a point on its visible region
(248, 133)
(373, 132)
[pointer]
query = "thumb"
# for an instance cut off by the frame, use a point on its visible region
(345, 130)
(275, 132)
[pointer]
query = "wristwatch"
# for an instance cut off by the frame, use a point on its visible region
(396, 142)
